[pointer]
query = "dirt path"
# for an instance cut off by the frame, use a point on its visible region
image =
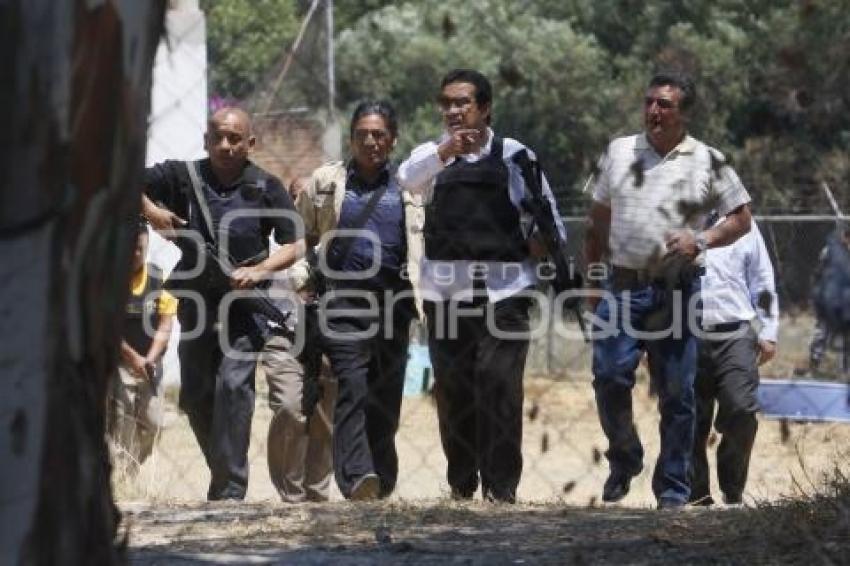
(557, 521)
(440, 532)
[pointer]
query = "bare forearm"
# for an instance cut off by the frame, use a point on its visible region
(284, 256)
(594, 249)
(160, 339)
(127, 352)
(736, 224)
(596, 236)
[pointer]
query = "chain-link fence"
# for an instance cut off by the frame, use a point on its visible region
(803, 434)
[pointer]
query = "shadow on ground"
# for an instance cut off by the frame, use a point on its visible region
(439, 532)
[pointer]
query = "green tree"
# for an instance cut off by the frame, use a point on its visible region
(245, 42)
(550, 82)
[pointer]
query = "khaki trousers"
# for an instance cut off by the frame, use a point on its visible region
(299, 452)
(135, 417)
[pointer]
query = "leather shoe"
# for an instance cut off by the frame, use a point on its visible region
(462, 494)
(366, 488)
(616, 487)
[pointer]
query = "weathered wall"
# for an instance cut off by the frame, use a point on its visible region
(76, 89)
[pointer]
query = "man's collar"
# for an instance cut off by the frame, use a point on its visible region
(686, 146)
(242, 177)
(353, 175)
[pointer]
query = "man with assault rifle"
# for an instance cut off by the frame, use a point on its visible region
(232, 207)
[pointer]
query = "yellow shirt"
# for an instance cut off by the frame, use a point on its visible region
(167, 303)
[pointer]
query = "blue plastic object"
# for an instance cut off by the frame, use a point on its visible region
(418, 377)
(804, 400)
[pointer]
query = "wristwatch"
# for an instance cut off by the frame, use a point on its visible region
(701, 243)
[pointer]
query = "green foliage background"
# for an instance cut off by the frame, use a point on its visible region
(568, 75)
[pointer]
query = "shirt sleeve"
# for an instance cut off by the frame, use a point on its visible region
(727, 186)
(162, 183)
(762, 286)
(602, 183)
(283, 227)
(417, 172)
(167, 303)
(307, 211)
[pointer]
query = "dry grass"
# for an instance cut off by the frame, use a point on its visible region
(798, 498)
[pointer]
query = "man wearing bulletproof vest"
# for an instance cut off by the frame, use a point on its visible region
(232, 207)
(366, 223)
(135, 402)
(476, 274)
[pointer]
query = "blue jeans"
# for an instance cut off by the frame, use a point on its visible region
(673, 361)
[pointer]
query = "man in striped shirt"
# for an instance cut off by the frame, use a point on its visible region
(651, 196)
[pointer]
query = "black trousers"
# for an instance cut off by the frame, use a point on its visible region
(478, 381)
(370, 377)
(727, 376)
(217, 394)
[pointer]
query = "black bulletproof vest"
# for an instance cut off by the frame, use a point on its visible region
(141, 308)
(471, 216)
(245, 237)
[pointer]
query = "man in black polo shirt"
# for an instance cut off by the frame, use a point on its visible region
(478, 257)
(217, 386)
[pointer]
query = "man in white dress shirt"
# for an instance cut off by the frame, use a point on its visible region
(478, 257)
(740, 324)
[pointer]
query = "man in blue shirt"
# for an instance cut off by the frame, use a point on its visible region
(366, 313)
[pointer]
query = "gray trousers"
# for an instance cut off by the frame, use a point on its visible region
(727, 373)
(299, 450)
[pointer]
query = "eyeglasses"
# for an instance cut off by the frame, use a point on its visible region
(446, 104)
(377, 135)
(663, 103)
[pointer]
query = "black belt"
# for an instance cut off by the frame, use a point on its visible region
(625, 278)
(725, 326)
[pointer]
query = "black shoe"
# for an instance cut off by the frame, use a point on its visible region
(616, 487)
(499, 496)
(736, 499)
(667, 504)
(462, 494)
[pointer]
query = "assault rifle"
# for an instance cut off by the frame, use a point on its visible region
(214, 281)
(566, 277)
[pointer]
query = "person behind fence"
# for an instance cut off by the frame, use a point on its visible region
(301, 389)
(231, 206)
(369, 305)
(478, 259)
(652, 193)
(831, 299)
(135, 397)
(740, 320)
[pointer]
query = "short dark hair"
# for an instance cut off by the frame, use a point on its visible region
(679, 79)
(483, 88)
(380, 107)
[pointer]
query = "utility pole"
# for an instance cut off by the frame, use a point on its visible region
(329, 10)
